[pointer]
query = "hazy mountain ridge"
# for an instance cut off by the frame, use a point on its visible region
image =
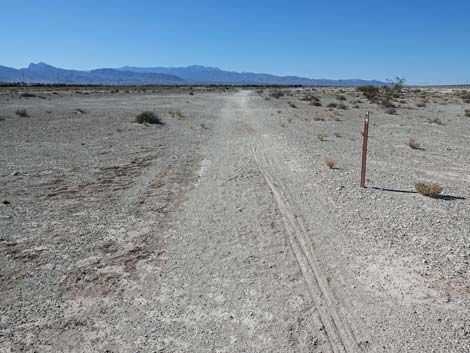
(44, 73)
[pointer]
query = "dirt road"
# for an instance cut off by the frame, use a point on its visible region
(251, 258)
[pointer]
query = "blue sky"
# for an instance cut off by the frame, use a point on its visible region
(428, 42)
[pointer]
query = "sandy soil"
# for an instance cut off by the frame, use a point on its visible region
(224, 231)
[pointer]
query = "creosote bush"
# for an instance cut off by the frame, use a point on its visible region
(315, 101)
(277, 94)
(428, 189)
(148, 117)
(22, 112)
(330, 163)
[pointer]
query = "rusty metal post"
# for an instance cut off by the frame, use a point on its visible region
(364, 150)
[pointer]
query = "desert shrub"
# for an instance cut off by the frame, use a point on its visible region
(312, 99)
(341, 98)
(467, 113)
(370, 92)
(148, 117)
(332, 105)
(277, 94)
(338, 135)
(435, 121)
(382, 95)
(292, 105)
(428, 189)
(330, 163)
(421, 104)
(342, 106)
(391, 111)
(176, 114)
(22, 112)
(28, 95)
(322, 137)
(81, 111)
(413, 144)
(386, 103)
(465, 95)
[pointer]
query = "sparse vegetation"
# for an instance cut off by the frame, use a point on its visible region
(342, 106)
(428, 189)
(28, 95)
(332, 105)
(22, 112)
(148, 117)
(315, 101)
(467, 113)
(81, 111)
(277, 94)
(176, 114)
(391, 111)
(330, 163)
(413, 144)
(436, 121)
(341, 98)
(292, 105)
(421, 104)
(322, 137)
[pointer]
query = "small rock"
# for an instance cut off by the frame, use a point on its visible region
(6, 202)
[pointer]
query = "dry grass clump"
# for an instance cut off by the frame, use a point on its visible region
(332, 105)
(428, 189)
(149, 118)
(413, 144)
(176, 114)
(342, 106)
(330, 163)
(421, 104)
(22, 112)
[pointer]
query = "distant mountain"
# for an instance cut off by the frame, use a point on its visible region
(44, 73)
(214, 75)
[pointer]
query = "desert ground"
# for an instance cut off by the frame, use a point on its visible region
(224, 230)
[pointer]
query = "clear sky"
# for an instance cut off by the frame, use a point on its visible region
(426, 41)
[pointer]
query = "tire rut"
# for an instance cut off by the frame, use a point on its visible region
(338, 333)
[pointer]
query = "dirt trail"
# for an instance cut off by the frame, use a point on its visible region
(241, 269)
(221, 231)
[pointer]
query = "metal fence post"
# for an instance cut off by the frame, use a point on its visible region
(364, 150)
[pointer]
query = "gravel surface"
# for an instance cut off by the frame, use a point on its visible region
(224, 230)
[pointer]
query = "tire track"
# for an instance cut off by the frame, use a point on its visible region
(338, 333)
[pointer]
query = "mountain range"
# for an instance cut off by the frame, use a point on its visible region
(128, 75)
